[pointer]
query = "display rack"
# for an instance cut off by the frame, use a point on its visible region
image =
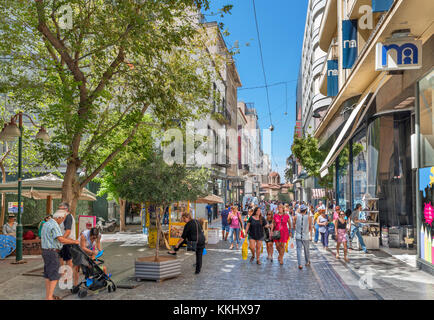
(370, 230)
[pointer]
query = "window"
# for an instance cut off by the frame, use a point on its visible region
(425, 91)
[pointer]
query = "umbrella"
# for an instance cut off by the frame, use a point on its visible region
(45, 187)
(211, 199)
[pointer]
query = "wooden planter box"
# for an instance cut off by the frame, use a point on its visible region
(32, 247)
(147, 269)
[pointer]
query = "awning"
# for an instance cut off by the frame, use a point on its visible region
(210, 199)
(44, 187)
(356, 115)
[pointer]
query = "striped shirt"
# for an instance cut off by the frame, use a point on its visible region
(49, 233)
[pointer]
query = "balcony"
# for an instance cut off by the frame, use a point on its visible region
(318, 66)
(317, 6)
(328, 24)
(320, 101)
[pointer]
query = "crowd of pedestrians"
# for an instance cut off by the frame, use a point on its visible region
(283, 225)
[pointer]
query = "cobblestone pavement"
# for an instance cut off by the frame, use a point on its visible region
(226, 276)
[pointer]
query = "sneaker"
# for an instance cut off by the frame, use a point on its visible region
(196, 272)
(366, 252)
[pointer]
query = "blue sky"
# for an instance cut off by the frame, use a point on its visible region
(281, 27)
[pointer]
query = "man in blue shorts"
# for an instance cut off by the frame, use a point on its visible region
(225, 224)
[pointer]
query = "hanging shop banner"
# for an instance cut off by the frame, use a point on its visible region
(399, 54)
(332, 78)
(426, 232)
(349, 37)
(381, 5)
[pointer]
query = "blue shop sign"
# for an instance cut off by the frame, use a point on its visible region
(332, 78)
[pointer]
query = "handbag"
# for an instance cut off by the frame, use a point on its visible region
(192, 245)
(276, 233)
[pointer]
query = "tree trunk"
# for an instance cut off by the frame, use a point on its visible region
(157, 245)
(122, 204)
(2, 218)
(71, 187)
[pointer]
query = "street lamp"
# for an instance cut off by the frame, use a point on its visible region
(9, 133)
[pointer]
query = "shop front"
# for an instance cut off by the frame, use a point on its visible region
(425, 192)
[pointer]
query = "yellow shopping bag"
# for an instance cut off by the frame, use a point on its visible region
(262, 249)
(245, 249)
(286, 246)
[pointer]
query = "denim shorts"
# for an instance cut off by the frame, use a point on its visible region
(51, 264)
(225, 227)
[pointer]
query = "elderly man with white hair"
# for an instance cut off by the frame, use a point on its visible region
(51, 243)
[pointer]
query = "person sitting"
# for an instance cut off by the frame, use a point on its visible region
(10, 228)
(90, 242)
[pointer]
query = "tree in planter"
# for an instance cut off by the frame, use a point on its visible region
(92, 74)
(153, 180)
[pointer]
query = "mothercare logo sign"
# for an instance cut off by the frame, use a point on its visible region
(399, 54)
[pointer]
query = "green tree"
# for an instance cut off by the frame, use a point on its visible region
(311, 157)
(152, 179)
(92, 81)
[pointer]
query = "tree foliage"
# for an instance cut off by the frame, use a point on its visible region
(152, 179)
(91, 83)
(311, 157)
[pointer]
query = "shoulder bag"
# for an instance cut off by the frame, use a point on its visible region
(276, 233)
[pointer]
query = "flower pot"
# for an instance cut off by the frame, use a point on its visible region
(146, 268)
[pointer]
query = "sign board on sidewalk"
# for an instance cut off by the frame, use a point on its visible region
(13, 207)
(86, 222)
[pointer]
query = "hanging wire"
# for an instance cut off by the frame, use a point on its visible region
(262, 63)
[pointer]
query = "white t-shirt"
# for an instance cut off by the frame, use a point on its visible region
(70, 222)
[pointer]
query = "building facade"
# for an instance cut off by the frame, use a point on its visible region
(377, 131)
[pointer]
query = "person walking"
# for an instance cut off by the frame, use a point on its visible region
(303, 227)
(355, 225)
(255, 230)
(341, 234)
(192, 232)
(323, 222)
(225, 224)
(316, 225)
(281, 223)
(209, 212)
(51, 242)
(235, 224)
(268, 236)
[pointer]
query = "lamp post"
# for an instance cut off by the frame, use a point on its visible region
(9, 133)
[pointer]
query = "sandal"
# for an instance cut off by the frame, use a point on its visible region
(308, 264)
(252, 258)
(300, 267)
(231, 247)
(346, 259)
(56, 297)
(258, 262)
(337, 256)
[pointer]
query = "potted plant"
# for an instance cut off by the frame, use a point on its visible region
(153, 180)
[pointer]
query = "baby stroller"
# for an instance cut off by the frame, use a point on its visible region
(95, 278)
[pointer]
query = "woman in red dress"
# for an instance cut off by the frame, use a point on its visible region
(282, 223)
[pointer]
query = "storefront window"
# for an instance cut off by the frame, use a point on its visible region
(389, 165)
(426, 121)
(426, 173)
(360, 156)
